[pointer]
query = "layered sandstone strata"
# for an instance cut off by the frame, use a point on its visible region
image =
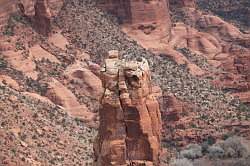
(183, 3)
(6, 8)
(137, 11)
(40, 11)
(149, 16)
(130, 120)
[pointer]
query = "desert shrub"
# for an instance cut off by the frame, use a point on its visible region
(209, 141)
(232, 162)
(19, 18)
(19, 46)
(13, 19)
(226, 136)
(215, 152)
(9, 28)
(3, 63)
(234, 147)
(192, 151)
(181, 162)
(244, 108)
(36, 86)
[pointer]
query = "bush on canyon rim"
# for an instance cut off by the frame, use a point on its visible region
(181, 162)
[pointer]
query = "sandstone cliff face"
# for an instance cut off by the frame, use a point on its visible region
(130, 120)
(42, 18)
(183, 3)
(6, 8)
(39, 10)
(148, 16)
(137, 11)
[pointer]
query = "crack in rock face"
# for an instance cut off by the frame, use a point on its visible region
(130, 120)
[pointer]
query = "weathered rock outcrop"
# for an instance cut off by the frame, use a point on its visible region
(40, 10)
(148, 16)
(183, 3)
(130, 120)
(134, 11)
(25, 65)
(42, 17)
(6, 8)
(61, 95)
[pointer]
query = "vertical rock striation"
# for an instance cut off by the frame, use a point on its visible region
(42, 17)
(150, 15)
(137, 11)
(40, 11)
(183, 3)
(130, 120)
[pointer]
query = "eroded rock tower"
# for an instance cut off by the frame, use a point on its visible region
(130, 120)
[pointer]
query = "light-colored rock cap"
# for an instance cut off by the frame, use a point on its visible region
(113, 64)
(113, 54)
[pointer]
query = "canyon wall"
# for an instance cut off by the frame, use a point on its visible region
(46, 8)
(137, 11)
(130, 120)
(183, 3)
(150, 13)
(6, 8)
(119, 8)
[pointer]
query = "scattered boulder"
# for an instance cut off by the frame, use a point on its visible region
(86, 79)
(21, 63)
(9, 81)
(61, 95)
(38, 53)
(38, 97)
(58, 40)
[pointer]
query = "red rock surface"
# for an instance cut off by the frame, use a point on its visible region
(33, 61)
(148, 17)
(42, 17)
(4, 79)
(210, 37)
(132, 11)
(91, 84)
(130, 120)
(6, 8)
(224, 49)
(41, 10)
(183, 3)
(25, 65)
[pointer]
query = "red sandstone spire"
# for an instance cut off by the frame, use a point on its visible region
(42, 17)
(130, 120)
